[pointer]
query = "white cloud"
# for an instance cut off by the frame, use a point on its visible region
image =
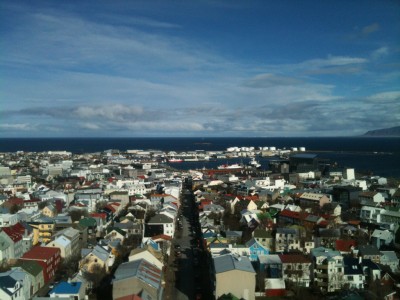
(385, 97)
(270, 80)
(115, 112)
(19, 127)
(380, 52)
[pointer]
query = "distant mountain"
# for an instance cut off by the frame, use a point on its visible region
(394, 131)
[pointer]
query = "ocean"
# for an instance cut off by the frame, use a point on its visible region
(376, 155)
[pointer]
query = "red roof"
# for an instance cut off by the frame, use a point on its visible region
(15, 200)
(162, 237)
(41, 253)
(294, 258)
(345, 245)
(204, 202)
(252, 198)
(19, 228)
(290, 214)
(354, 222)
(99, 215)
(14, 235)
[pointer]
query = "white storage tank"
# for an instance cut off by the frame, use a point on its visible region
(272, 148)
(302, 149)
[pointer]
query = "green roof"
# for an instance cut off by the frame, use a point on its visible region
(30, 266)
(119, 230)
(88, 222)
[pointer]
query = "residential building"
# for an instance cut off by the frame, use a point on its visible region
(296, 268)
(314, 199)
(354, 275)
(234, 274)
(35, 271)
(138, 278)
(48, 258)
(96, 260)
(23, 277)
(328, 269)
(11, 289)
(160, 224)
(389, 258)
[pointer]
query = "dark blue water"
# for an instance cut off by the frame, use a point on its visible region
(378, 155)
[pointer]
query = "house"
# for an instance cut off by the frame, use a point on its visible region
(287, 239)
(74, 236)
(137, 278)
(7, 220)
(115, 233)
(389, 258)
(14, 239)
(23, 277)
(149, 254)
(48, 258)
(296, 268)
(62, 243)
(96, 260)
(35, 271)
(369, 252)
(90, 224)
(370, 214)
(314, 199)
(234, 275)
(11, 289)
(381, 237)
(160, 224)
(353, 273)
(230, 235)
(74, 290)
(50, 211)
(213, 208)
(368, 197)
(271, 265)
(255, 249)
(265, 238)
(328, 269)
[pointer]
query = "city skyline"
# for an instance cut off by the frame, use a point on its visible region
(158, 68)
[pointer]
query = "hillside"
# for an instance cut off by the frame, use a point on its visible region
(394, 132)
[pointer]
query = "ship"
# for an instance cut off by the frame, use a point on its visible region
(253, 163)
(175, 160)
(228, 167)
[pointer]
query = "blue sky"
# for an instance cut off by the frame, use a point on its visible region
(198, 68)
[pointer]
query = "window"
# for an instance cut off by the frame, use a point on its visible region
(350, 278)
(299, 267)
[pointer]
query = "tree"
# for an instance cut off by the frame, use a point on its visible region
(77, 214)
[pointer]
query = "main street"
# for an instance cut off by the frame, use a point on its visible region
(192, 275)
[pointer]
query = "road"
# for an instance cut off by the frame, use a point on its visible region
(192, 276)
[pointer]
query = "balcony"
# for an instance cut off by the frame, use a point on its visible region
(322, 275)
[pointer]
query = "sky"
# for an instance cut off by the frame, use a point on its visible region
(198, 68)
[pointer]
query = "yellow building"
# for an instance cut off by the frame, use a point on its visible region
(43, 230)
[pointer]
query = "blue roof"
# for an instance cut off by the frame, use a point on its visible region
(66, 288)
